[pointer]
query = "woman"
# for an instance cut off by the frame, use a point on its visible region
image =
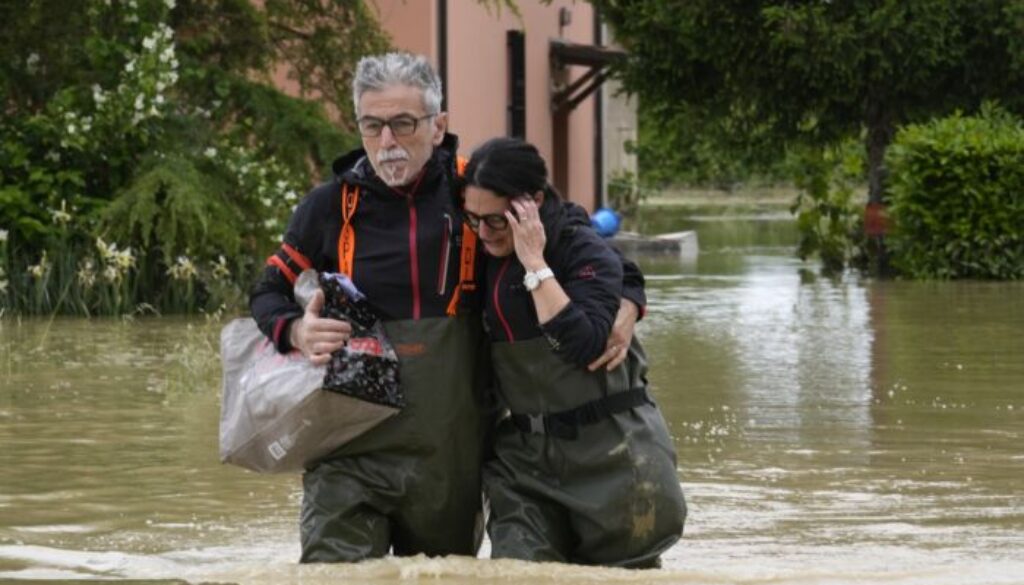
(583, 469)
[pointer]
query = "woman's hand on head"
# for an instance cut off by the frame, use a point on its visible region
(527, 232)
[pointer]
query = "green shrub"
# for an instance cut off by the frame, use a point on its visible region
(626, 193)
(957, 197)
(828, 215)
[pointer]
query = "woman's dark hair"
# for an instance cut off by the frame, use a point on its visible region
(510, 168)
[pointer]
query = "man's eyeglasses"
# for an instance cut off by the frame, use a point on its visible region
(401, 125)
(495, 221)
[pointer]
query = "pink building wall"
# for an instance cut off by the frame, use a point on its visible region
(477, 72)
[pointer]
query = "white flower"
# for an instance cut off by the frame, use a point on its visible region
(210, 152)
(140, 101)
(111, 273)
(149, 43)
(159, 99)
(71, 128)
(130, 66)
(105, 250)
(86, 273)
(3, 235)
(125, 259)
(170, 4)
(61, 215)
(38, 270)
(220, 267)
(266, 201)
(270, 223)
(53, 156)
(3, 286)
(183, 269)
(290, 196)
(97, 95)
(160, 86)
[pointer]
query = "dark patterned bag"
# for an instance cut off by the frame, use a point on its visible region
(367, 367)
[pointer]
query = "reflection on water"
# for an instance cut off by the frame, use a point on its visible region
(828, 432)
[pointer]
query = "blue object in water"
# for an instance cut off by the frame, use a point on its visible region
(606, 222)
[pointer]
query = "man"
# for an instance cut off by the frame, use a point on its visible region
(392, 219)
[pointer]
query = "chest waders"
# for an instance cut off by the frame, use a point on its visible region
(593, 480)
(413, 482)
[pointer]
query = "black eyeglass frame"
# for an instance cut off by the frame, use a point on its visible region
(495, 221)
(390, 124)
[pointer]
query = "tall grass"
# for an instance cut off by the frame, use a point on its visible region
(75, 277)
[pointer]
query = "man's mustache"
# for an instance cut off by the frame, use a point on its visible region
(392, 154)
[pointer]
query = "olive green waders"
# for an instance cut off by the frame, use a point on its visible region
(412, 482)
(604, 492)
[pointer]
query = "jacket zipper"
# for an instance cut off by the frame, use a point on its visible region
(414, 260)
(497, 303)
(442, 271)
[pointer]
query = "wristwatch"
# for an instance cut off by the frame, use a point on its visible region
(533, 279)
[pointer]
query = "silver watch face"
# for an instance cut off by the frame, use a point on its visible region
(531, 280)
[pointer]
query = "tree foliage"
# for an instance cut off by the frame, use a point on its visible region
(819, 71)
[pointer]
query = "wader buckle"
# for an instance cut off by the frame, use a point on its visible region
(537, 426)
(566, 423)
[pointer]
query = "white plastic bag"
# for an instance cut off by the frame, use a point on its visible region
(274, 416)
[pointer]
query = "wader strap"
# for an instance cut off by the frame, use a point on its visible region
(565, 424)
(467, 255)
(347, 238)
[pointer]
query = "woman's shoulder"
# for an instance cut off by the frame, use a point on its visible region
(580, 245)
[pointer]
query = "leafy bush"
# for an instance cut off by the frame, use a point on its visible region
(957, 197)
(147, 158)
(828, 213)
(626, 193)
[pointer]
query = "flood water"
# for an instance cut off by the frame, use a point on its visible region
(844, 431)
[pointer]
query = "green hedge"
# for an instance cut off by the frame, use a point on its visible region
(957, 197)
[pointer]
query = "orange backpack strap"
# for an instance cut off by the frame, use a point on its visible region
(467, 269)
(467, 255)
(281, 258)
(347, 238)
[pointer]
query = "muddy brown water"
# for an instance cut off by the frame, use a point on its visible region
(845, 431)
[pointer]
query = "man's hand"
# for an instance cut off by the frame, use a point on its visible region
(621, 335)
(316, 337)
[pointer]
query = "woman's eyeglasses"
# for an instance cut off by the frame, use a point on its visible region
(495, 221)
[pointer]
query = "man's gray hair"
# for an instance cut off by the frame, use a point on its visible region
(377, 72)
